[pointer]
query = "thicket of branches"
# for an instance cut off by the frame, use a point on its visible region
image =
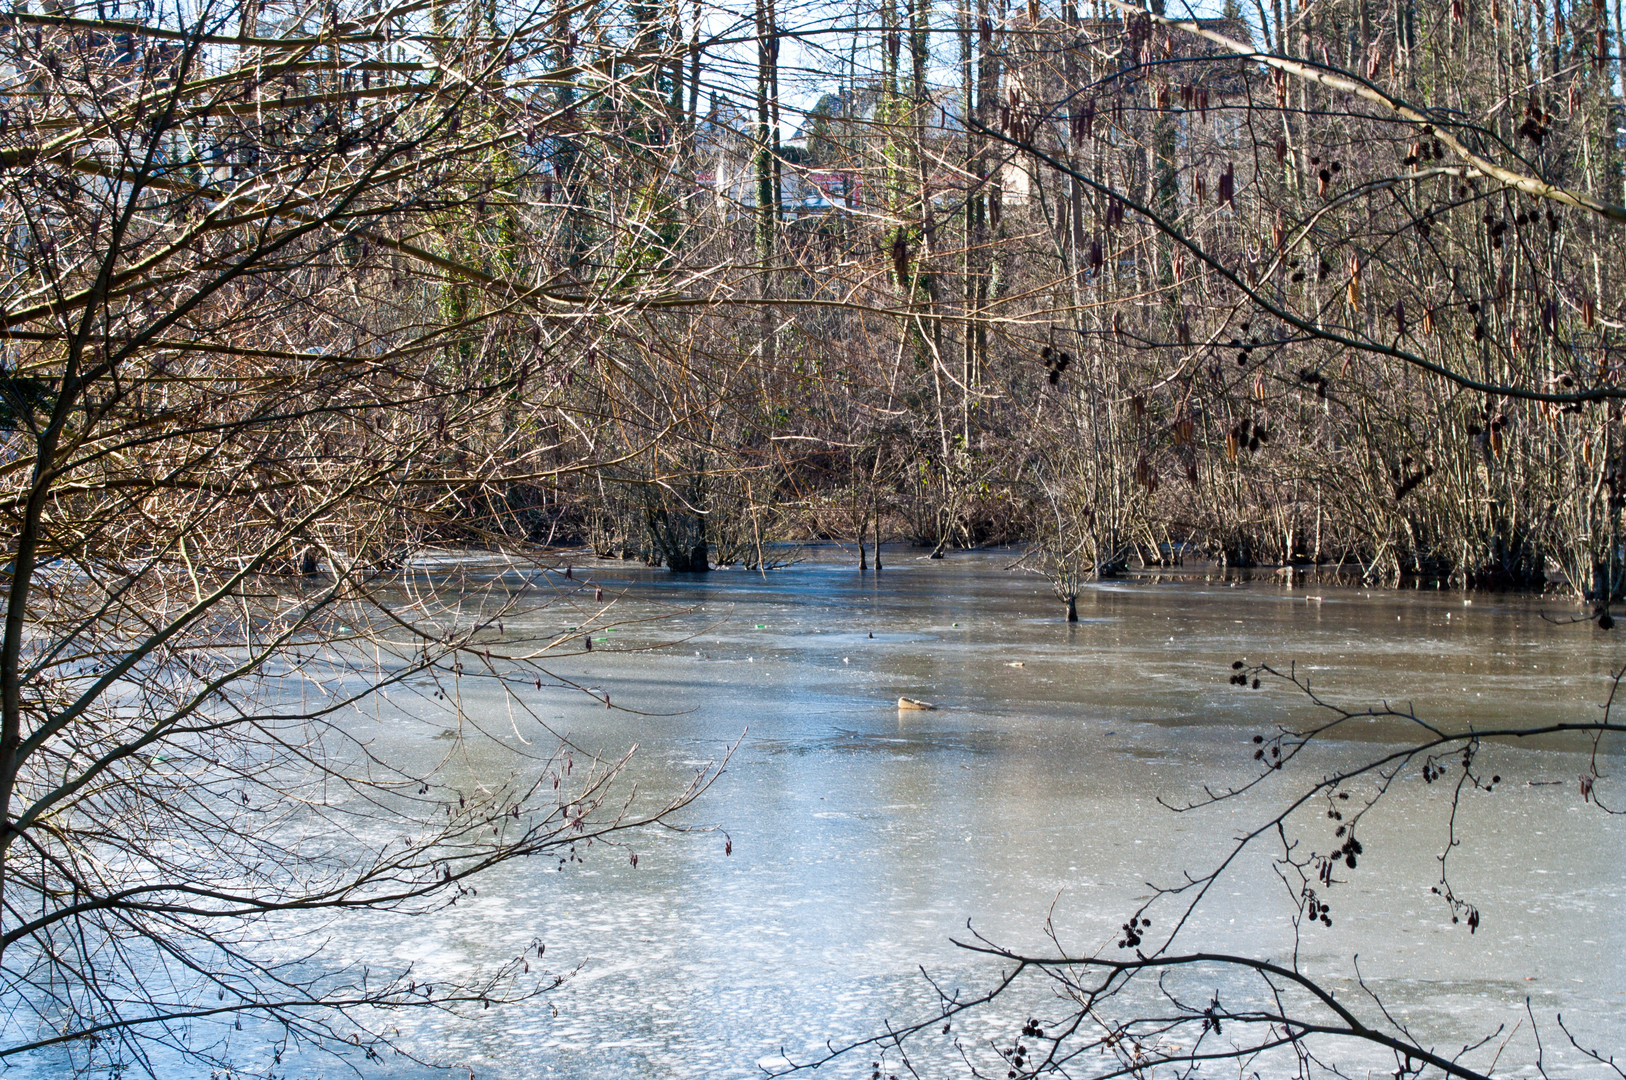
(1324, 283)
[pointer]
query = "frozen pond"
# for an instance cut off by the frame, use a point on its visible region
(864, 838)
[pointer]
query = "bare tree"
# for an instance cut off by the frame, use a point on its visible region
(284, 298)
